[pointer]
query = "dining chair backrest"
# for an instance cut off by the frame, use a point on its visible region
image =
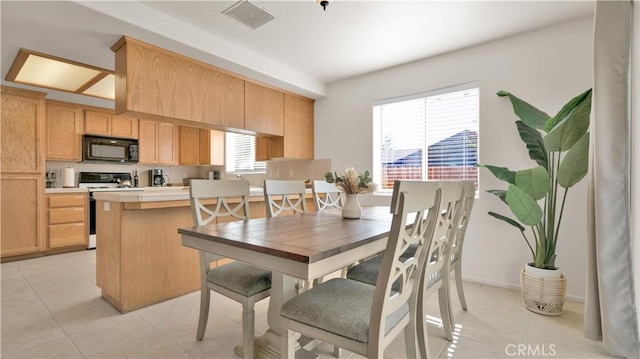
(200, 190)
(326, 195)
(468, 197)
(282, 196)
(417, 203)
(445, 229)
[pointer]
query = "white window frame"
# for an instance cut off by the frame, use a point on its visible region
(377, 136)
(230, 160)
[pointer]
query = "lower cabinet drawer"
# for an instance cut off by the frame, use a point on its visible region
(66, 215)
(67, 200)
(62, 235)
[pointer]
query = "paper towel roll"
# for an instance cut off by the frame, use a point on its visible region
(68, 178)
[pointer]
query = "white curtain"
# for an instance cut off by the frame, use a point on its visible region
(610, 309)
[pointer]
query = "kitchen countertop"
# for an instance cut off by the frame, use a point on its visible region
(66, 190)
(159, 194)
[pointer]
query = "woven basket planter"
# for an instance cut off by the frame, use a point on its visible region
(541, 295)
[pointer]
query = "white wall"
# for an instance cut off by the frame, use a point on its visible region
(546, 67)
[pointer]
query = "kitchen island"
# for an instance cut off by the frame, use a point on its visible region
(139, 256)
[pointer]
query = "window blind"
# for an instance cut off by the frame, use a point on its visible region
(427, 137)
(241, 154)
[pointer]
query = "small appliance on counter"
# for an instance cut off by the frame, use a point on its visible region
(213, 175)
(156, 178)
(50, 178)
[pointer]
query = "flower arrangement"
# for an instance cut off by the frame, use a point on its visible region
(351, 181)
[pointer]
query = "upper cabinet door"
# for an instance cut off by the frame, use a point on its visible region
(151, 80)
(188, 153)
(148, 142)
(298, 127)
(97, 123)
(263, 109)
(167, 143)
(229, 95)
(64, 132)
(109, 125)
(126, 127)
(22, 132)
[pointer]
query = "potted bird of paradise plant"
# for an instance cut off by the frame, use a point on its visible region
(536, 196)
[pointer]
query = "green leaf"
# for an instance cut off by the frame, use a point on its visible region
(527, 113)
(533, 139)
(508, 220)
(500, 193)
(534, 182)
(575, 164)
(566, 110)
(523, 206)
(571, 127)
(329, 177)
(502, 173)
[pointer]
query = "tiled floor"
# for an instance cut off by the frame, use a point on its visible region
(51, 308)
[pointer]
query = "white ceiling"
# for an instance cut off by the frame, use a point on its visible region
(302, 50)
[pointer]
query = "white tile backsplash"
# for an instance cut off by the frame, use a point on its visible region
(175, 174)
(285, 169)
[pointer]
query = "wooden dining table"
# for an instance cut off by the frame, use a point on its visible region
(303, 246)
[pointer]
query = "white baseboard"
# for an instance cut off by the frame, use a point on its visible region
(512, 286)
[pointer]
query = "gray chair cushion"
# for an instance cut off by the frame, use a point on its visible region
(339, 306)
(367, 272)
(241, 278)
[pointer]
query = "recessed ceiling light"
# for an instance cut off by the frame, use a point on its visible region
(42, 70)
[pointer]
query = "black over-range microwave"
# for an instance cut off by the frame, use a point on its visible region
(105, 149)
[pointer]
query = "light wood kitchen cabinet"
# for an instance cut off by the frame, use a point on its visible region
(161, 83)
(211, 143)
(22, 168)
(189, 147)
(298, 127)
(167, 143)
(262, 149)
(64, 131)
(109, 125)
(67, 216)
(200, 146)
(158, 142)
(298, 138)
(263, 109)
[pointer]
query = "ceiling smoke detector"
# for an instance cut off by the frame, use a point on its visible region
(249, 13)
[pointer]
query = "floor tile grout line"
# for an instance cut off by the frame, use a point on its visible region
(55, 319)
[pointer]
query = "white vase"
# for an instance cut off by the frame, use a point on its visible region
(542, 273)
(351, 208)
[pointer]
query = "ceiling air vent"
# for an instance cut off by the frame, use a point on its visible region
(250, 14)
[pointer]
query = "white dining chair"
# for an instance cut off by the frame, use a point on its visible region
(435, 269)
(435, 266)
(455, 263)
(326, 195)
(282, 196)
(241, 282)
(364, 318)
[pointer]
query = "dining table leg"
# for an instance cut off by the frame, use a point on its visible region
(283, 288)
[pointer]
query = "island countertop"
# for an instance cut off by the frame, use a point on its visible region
(163, 197)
